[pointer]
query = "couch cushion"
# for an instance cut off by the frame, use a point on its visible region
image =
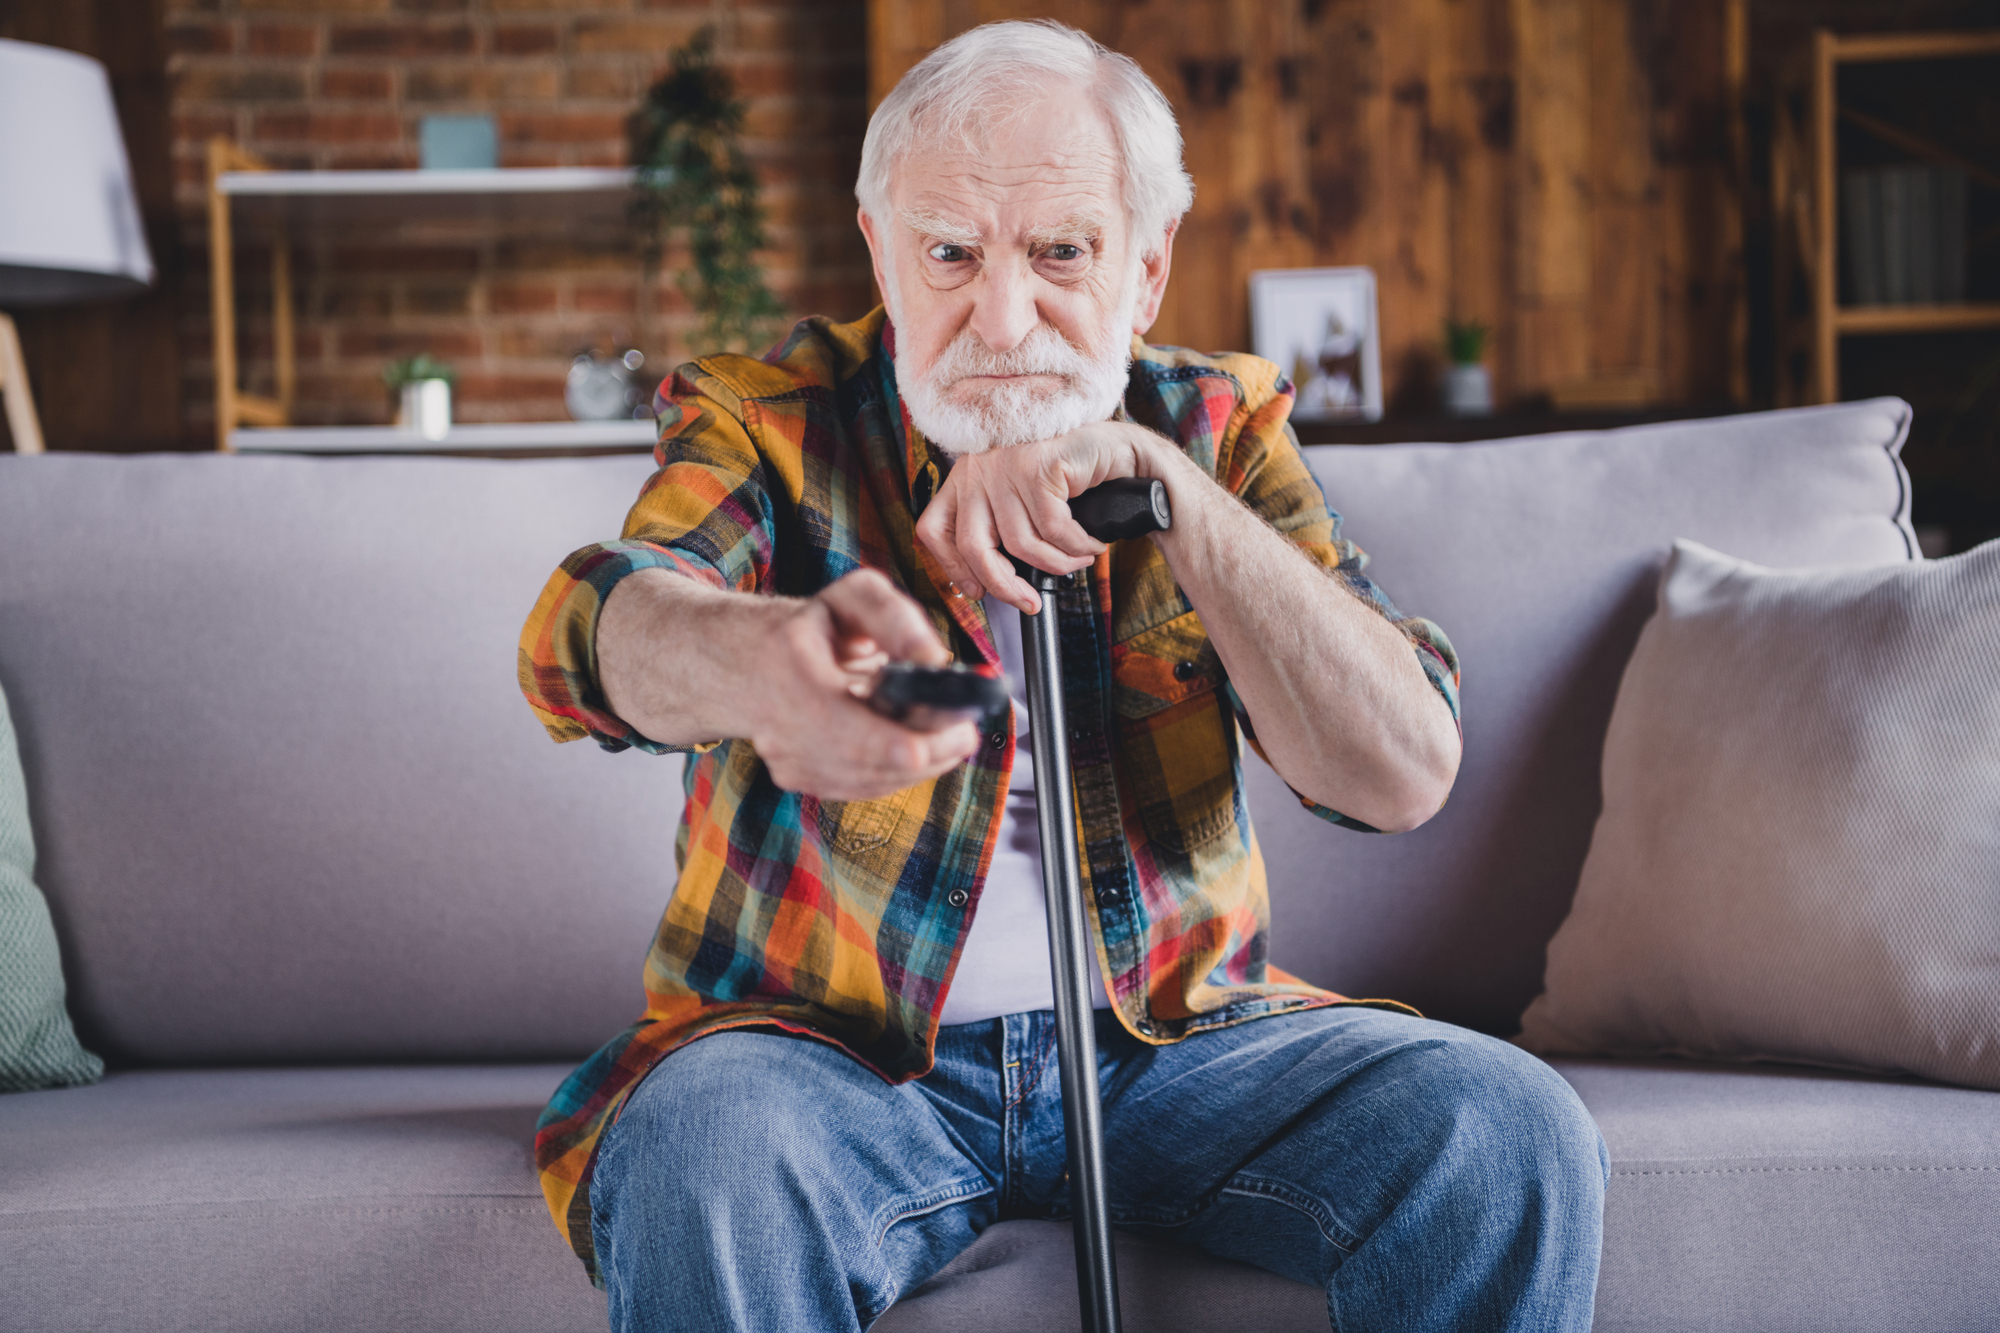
(1799, 855)
(1793, 1201)
(295, 1200)
(289, 802)
(1741, 1199)
(1020, 1277)
(370, 1199)
(1539, 557)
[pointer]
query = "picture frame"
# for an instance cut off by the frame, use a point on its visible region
(1319, 326)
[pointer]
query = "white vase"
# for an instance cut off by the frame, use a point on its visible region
(1468, 391)
(427, 408)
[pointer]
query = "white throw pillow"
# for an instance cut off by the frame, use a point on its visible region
(1798, 857)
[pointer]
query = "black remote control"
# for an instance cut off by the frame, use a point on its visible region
(932, 698)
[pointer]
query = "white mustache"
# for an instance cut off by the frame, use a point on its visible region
(1042, 352)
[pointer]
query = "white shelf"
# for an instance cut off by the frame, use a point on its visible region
(470, 437)
(567, 194)
(492, 180)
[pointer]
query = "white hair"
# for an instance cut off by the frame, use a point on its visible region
(997, 71)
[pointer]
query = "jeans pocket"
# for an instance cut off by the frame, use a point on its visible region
(920, 1205)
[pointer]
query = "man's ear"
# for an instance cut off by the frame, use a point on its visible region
(1153, 281)
(877, 251)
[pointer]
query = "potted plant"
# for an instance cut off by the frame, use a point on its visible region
(1468, 389)
(422, 385)
(691, 179)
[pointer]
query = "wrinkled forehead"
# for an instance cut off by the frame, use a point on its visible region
(1023, 168)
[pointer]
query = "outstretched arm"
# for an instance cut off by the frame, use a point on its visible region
(685, 663)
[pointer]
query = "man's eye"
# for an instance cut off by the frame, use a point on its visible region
(947, 253)
(1065, 253)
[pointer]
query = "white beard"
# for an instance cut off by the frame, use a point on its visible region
(1086, 386)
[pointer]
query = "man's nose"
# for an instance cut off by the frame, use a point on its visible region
(1003, 310)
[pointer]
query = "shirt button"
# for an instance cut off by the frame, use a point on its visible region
(958, 897)
(999, 739)
(1185, 670)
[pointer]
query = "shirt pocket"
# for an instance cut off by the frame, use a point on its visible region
(855, 827)
(1177, 733)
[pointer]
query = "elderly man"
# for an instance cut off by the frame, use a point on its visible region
(845, 1068)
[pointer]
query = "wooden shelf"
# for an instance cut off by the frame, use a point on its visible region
(1917, 318)
(1804, 180)
(395, 207)
(1500, 426)
(1868, 48)
(471, 437)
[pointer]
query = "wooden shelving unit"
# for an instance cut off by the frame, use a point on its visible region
(279, 203)
(1804, 181)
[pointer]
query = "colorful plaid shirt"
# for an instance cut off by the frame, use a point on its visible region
(843, 920)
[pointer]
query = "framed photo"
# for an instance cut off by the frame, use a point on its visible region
(1318, 324)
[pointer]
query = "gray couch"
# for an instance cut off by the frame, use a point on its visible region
(341, 917)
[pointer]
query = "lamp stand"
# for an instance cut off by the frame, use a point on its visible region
(21, 418)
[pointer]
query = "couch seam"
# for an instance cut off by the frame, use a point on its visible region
(1776, 1170)
(528, 1210)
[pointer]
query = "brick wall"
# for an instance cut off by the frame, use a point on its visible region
(343, 84)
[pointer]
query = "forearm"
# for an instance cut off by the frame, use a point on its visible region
(674, 655)
(1339, 700)
(685, 663)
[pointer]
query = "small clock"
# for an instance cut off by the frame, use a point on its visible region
(599, 388)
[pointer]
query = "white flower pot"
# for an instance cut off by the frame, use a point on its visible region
(1468, 391)
(427, 408)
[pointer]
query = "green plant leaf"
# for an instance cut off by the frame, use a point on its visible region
(410, 369)
(1464, 341)
(691, 180)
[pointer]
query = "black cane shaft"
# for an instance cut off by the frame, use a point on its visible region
(1070, 964)
(1114, 511)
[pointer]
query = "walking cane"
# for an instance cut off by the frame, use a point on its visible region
(930, 697)
(1126, 507)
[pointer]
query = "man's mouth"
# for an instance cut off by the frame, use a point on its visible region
(1005, 379)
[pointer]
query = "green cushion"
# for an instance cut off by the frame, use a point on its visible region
(38, 1049)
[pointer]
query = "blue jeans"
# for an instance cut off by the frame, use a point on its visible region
(1426, 1177)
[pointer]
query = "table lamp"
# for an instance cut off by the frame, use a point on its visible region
(69, 225)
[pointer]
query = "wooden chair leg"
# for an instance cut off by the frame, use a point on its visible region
(21, 417)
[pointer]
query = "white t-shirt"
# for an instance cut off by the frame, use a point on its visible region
(1005, 966)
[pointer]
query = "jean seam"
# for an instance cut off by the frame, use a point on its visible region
(1040, 1060)
(944, 1196)
(1298, 1201)
(605, 1144)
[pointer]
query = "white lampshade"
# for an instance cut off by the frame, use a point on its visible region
(69, 225)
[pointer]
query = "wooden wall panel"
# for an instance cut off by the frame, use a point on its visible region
(1552, 258)
(1560, 170)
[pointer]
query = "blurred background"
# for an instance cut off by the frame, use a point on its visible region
(1624, 195)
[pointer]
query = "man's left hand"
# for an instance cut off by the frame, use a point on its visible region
(1017, 498)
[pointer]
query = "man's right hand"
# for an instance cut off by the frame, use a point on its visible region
(811, 728)
(685, 663)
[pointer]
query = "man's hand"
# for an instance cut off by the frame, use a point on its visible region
(1339, 700)
(1018, 498)
(807, 720)
(685, 663)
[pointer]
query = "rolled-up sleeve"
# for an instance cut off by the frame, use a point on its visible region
(704, 514)
(1265, 468)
